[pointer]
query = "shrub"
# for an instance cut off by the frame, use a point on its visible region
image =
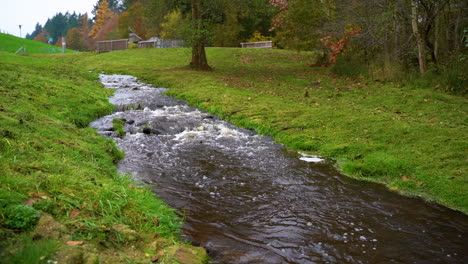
(21, 217)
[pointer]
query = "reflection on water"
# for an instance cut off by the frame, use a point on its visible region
(249, 200)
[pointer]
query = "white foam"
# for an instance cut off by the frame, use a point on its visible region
(310, 158)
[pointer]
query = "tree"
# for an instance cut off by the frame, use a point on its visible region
(133, 18)
(199, 60)
(103, 14)
(38, 29)
(418, 36)
(299, 23)
(75, 39)
(42, 37)
(172, 28)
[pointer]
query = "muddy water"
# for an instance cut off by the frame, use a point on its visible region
(249, 200)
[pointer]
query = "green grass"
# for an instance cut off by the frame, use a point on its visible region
(118, 125)
(410, 138)
(10, 43)
(52, 160)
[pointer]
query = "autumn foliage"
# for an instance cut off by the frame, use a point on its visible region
(103, 15)
(132, 18)
(42, 37)
(337, 47)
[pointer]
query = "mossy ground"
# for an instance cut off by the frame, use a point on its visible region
(410, 138)
(50, 160)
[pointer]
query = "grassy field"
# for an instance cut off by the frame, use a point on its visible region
(52, 162)
(412, 139)
(9, 43)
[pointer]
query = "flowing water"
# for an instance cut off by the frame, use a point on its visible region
(249, 200)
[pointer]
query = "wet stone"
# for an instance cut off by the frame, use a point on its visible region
(147, 130)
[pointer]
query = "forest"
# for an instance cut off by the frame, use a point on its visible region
(377, 39)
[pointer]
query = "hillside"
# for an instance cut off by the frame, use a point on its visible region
(11, 43)
(58, 182)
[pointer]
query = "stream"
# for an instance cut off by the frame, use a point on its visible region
(247, 199)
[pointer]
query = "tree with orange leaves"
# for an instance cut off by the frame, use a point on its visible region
(103, 14)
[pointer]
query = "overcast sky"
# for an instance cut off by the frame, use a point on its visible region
(28, 12)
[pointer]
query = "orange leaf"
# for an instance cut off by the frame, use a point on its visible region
(74, 213)
(75, 243)
(433, 118)
(405, 178)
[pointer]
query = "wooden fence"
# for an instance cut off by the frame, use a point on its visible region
(258, 45)
(148, 44)
(111, 45)
(159, 43)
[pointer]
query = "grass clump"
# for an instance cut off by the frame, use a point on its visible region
(32, 252)
(376, 130)
(20, 217)
(118, 125)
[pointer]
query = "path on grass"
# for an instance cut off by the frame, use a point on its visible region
(249, 200)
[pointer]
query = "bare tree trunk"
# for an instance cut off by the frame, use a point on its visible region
(418, 36)
(199, 60)
(458, 40)
(436, 37)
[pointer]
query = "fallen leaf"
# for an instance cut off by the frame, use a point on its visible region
(437, 86)
(433, 118)
(156, 221)
(394, 188)
(75, 243)
(419, 183)
(30, 202)
(74, 213)
(405, 178)
(412, 176)
(426, 100)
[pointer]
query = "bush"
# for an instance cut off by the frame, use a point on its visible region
(350, 66)
(21, 217)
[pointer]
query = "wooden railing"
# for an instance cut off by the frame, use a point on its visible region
(161, 44)
(111, 45)
(148, 44)
(121, 44)
(258, 45)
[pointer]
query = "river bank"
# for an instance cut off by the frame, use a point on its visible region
(61, 198)
(412, 139)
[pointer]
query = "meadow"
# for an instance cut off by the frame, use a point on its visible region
(409, 137)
